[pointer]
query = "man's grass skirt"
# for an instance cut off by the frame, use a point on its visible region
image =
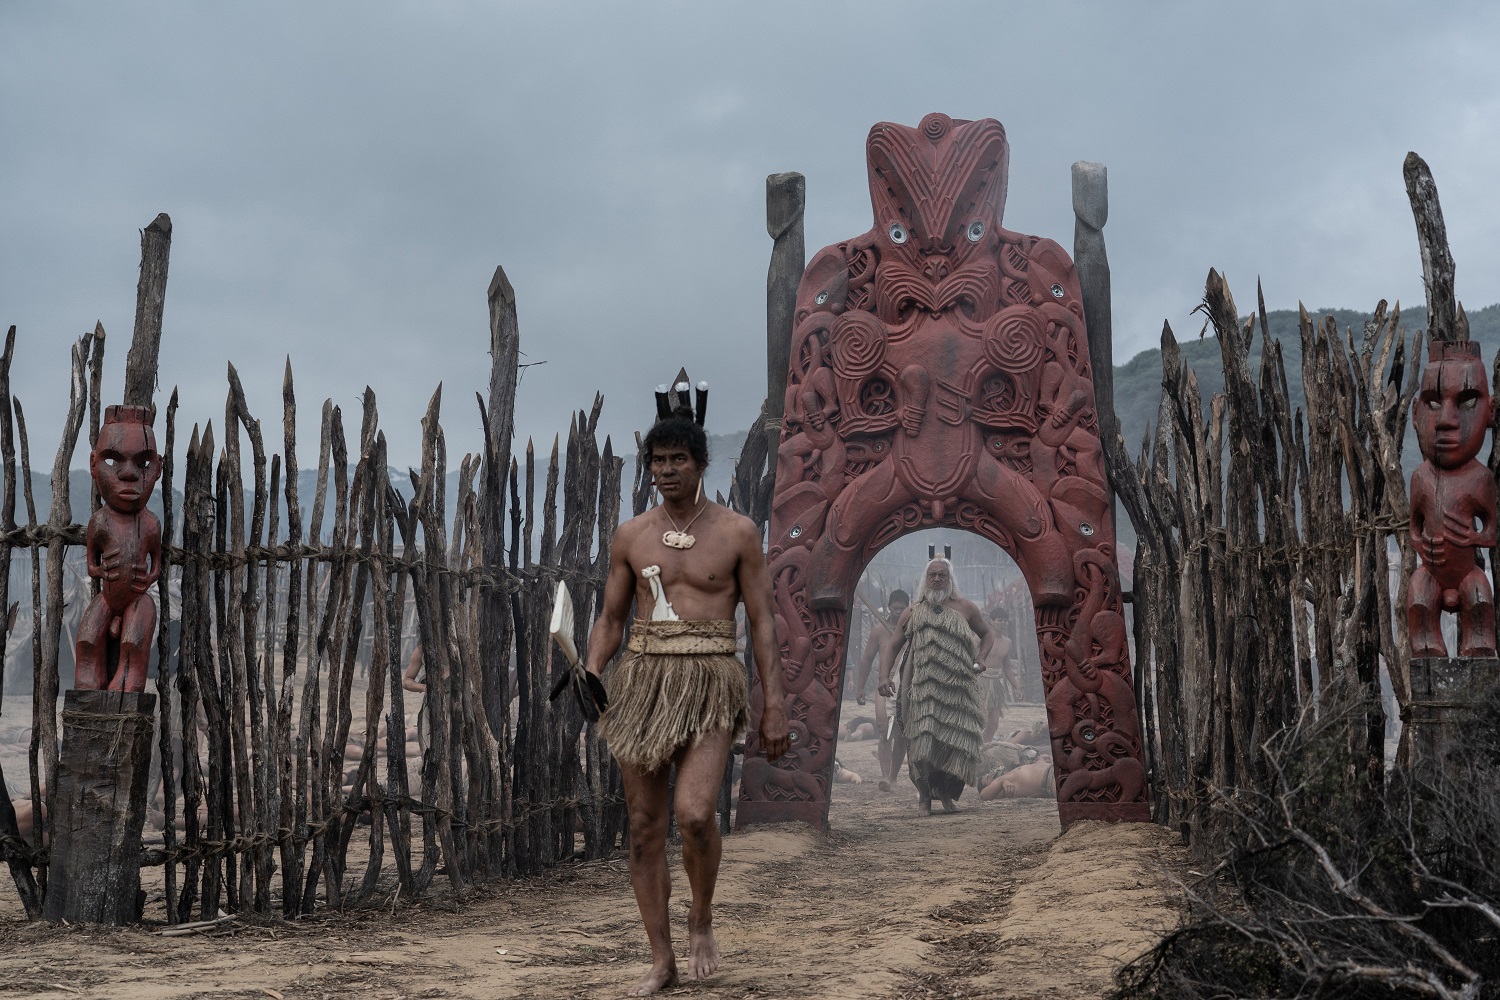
(678, 680)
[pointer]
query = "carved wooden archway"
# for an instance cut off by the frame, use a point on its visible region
(940, 377)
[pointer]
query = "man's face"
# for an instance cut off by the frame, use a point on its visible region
(898, 608)
(125, 465)
(938, 578)
(675, 471)
(1453, 411)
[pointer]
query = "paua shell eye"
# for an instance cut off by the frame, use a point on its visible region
(1057, 291)
(975, 231)
(821, 298)
(898, 233)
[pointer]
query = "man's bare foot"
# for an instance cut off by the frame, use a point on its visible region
(924, 808)
(703, 951)
(948, 806)
(659, 978)
(885, 785)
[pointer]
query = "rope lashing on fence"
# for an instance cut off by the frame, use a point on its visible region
(205, 849)
(1214, 535)
(34, 536)
(507, 581)
(13, 848)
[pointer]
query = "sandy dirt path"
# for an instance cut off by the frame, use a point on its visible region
(988, 903)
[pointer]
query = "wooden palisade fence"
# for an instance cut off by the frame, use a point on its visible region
(1262, 547)
(1268, 540)
(290, 792)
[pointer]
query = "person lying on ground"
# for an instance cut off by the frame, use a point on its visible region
(861, 727)
(843, 776)
(1034, 736)
(1034, 780)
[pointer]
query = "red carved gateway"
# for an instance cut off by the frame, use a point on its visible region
(940, 377)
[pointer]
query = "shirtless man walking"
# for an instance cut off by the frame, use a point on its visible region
(680, 696)
(882, 635)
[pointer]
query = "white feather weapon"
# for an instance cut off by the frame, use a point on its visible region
(563, 622)
(587, 689)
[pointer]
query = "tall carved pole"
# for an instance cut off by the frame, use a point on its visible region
(786, 196)
(150, 297)
(1453, 511)
(494, 618)
(1090, 213)
(1437, 259)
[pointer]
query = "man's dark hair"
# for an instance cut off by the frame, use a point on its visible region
(678, 432)
(898, 597)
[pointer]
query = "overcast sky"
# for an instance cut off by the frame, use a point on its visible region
(344, 178)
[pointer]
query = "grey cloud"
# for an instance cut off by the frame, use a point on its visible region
(344, 179)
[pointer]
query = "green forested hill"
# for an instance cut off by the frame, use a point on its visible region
(1138, 381)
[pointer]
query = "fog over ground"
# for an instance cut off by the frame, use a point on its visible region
(344, 178)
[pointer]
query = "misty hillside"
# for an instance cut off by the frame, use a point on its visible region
(1138, 381)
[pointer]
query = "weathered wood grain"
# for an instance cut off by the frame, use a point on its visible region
(150, 301)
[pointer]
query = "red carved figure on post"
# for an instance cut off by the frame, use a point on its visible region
(1452, 504)
(124, 552)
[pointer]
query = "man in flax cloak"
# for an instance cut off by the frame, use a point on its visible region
(679, 696)
(940, 708)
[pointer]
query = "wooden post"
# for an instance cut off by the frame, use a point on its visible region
(1437, 260)
(1445, 694)
(786, 196)
(150, 296)
(101, 807)
(1090, 213)
(495, 625)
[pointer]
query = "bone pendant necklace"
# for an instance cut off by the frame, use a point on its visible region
(679, 538)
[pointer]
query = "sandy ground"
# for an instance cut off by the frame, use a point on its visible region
(988, 903)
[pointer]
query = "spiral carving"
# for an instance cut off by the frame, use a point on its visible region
(1013, 339)
(935, 126)
(858, 345)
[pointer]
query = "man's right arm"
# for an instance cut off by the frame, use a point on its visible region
(873, 646)
(888, 651)
(609, 627)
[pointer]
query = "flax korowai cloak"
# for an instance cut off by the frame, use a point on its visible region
(941, 711)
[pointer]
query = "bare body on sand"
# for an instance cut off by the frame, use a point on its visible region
(724, 567)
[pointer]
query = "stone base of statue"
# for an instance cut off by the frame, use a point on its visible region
(1445, 691)
(99, 807)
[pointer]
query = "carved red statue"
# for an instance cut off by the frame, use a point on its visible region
(940, 376)
(1452, 504)
(124, 552)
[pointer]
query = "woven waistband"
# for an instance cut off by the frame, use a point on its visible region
(707, 637)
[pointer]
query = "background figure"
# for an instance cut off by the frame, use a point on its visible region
(998, 683)
(882, 634)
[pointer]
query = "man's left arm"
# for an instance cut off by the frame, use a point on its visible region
(755, 590)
